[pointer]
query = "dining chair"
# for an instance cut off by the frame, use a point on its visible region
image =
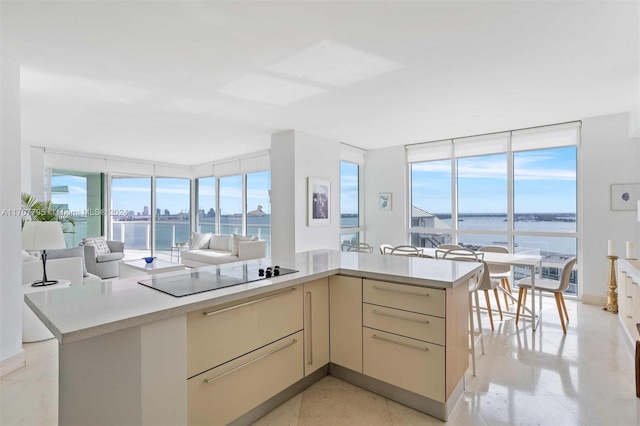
(486, 283)
(458, 253)
(385, 248)
(500, 272)
(406, 250)
(358, 247)
(549, 286)
(448, 246)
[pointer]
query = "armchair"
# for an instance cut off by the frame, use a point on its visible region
(104, 265)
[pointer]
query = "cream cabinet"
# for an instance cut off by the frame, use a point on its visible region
(415, 337)
(316, 325)
(345, 295)
(214, 336)
(220, 395)
(242, 354)
(407, 363)
(629, 296)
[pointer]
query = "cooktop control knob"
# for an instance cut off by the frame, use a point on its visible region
(269, 273)
(276, 271)
(261, 272)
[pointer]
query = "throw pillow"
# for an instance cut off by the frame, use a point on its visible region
(199, 241)
(237, 239)
(100, 243)
(219, 242)
(69, 252)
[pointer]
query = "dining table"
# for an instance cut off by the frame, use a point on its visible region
(530, 261)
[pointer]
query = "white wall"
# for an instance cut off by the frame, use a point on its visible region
(296, 156)
(608, 156)
(11, 353)
(386, 171)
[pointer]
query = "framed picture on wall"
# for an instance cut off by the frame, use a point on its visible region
(319, 201)
(625, 196)
(384, 201)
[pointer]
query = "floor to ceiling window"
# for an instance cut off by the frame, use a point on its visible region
(258, 206)
(236, 204)
(172, 214)
(230, 202)
(515, 189)
(206, 204)
(131, 200)
(80, 194)
(350, 229)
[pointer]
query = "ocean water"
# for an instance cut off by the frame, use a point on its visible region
(136, 233)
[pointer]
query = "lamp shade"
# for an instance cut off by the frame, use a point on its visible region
(42, 236)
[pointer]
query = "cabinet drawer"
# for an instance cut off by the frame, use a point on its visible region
(409, 324)
(242, 384)
(216, 335)
(407, 363)
(424, 300)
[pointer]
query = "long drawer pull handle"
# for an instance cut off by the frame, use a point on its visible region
(400, 291)
(420, 348)
(211, 379)
(251, 302)
(387, 314)
(310, 362)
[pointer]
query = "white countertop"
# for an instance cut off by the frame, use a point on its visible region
(81, 312)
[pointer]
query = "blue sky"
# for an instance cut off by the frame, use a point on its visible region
(544, 182)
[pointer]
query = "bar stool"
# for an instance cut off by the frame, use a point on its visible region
(500, 272)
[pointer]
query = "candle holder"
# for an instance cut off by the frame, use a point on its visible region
(612, 296)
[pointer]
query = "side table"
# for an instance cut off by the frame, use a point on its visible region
(33, 330)
(178, 249)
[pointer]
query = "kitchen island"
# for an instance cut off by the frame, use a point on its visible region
(130, 354)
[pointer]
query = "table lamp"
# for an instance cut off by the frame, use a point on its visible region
(42, 236)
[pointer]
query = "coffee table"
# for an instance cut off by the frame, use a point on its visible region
(139, 267)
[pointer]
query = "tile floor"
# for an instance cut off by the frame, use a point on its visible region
(525, 378)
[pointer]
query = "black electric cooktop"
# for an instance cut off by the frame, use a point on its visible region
(223, 276)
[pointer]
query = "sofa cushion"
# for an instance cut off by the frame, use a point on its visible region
(109, 257)
(214, 257)
(219, 242)
(69, 252)
(237, 239)
(27, 257)
(199, 241)
(100, 244)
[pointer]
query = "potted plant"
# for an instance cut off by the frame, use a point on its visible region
(45, 211)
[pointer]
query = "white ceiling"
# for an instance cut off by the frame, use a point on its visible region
(189, 82)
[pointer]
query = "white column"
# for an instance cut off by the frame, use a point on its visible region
(11, 353)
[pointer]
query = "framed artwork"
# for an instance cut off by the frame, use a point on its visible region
(625, 196)
(319, 196)
(384, 201)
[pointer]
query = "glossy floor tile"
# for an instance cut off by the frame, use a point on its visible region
(585, 377)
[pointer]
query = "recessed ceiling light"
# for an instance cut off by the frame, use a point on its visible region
(269, 90)
(334, 64)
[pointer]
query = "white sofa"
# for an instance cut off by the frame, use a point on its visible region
(71, 268)
(215, 249)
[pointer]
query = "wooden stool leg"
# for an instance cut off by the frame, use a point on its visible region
(495, 292)
(521, 291)
(559, 305)
(486, 297)
(504, 282)
(524, 299)
(564, 307)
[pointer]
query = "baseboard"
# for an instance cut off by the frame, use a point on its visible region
(13, 363)
(588, 299)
